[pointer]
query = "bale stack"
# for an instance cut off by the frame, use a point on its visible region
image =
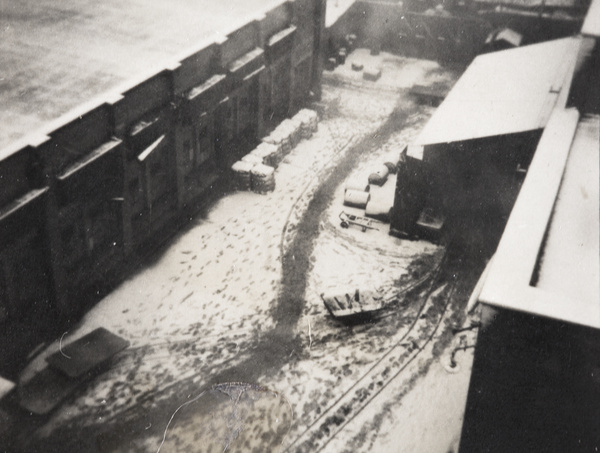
(252, 158)
(309, 122)
(263, 178)
(268, 153)
(278, 139)
(291, 128)
(242, 176)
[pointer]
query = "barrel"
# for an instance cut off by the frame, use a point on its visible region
(379, 175)
(359, 184)
(356, 198)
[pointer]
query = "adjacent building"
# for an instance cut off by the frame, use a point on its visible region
(535, 384)
(471, 157)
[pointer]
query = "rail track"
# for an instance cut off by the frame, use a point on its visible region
(331, 422)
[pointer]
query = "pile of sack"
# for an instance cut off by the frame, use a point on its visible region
(255, 171)
(242, 178)
(263, 178)
(309, 121)
(267, 154)
(292, 130)
(279, 139)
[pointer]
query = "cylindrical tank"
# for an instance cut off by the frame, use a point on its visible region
(356, 198)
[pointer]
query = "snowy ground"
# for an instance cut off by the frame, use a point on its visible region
(236, 298)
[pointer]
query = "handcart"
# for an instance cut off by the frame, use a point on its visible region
(350, 219)
(353, 305)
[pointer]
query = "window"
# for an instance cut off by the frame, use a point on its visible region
(4, 308)
(244, 110)
(29, 277)
(225, 122)
(188, 149)
(100, 226)
(134, 187)
(204, 150)
(72, 240)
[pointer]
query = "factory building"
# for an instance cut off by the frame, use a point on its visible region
(97, 184)
(535, 381)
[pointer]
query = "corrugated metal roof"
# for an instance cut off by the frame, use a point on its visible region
(503, 93)
(591, 25)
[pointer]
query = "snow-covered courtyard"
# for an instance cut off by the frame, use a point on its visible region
(235, 297)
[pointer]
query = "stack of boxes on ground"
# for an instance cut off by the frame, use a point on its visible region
(255, 171)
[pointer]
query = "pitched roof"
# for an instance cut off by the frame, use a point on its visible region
(502, 93)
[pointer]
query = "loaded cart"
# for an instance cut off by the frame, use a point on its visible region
(352, 306)
(350, 219)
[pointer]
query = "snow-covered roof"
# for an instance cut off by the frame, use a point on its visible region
(572, 237)
(504, 92)
(534, 3)
(55, 56)
(591, 24)
(335, 10)
(508, 35)
(547, 260)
